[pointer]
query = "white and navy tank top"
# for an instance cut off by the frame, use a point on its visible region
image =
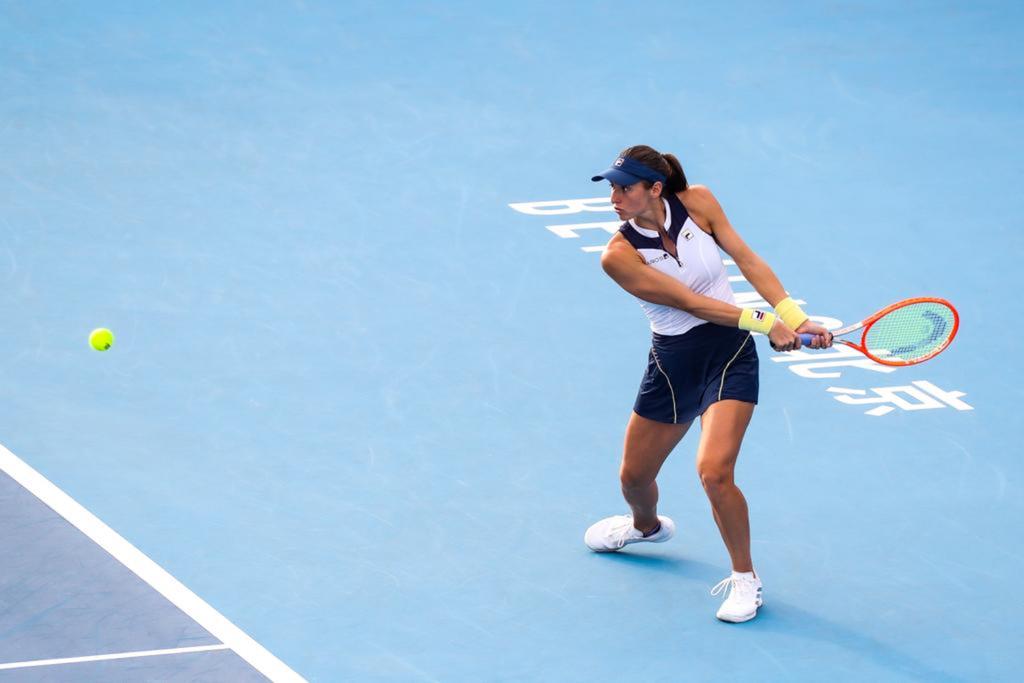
(698, 266)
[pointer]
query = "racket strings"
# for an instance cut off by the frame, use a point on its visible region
(911, 332)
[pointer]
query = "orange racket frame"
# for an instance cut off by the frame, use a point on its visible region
(870, 320)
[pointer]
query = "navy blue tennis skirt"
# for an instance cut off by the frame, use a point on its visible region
(688, 372)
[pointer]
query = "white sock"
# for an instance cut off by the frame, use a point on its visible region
(742, 575)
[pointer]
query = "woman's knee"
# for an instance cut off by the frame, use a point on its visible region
(714, 478)
(633, 478)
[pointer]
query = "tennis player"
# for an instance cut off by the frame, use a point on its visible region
(702, 361)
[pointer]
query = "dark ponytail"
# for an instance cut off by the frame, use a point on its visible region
(666, 164)
(676, 179)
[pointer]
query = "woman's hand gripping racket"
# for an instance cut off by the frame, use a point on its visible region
(906, 333)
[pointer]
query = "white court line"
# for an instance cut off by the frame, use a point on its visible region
(119, 655)
(146, 569)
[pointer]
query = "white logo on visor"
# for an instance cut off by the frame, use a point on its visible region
(618, 162)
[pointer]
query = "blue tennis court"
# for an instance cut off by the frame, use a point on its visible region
(369, 383)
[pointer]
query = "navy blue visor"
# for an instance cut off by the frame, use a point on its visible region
(626, 172)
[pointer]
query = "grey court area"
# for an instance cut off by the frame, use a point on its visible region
(370, 382)
(61, 596)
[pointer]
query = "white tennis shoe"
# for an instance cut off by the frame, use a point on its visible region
(743, 600)
(615, 533)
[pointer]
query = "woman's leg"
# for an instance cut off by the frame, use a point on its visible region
(647, 445)
(722, 428)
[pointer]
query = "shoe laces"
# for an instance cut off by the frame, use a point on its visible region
(621, 530)
(738, 587)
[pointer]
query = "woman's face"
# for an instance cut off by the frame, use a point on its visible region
(633, 200)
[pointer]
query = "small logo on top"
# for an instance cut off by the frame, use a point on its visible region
(619, 161)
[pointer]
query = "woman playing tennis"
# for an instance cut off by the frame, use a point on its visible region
(702, 360)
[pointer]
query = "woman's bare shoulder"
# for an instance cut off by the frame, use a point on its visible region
(698, 197)
(702, 206)
(618, 250)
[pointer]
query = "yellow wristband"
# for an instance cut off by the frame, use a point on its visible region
(790, 313)
(756, 321)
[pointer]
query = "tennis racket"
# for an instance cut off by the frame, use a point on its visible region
(906, 333)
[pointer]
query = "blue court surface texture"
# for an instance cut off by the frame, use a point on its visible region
(370, 383)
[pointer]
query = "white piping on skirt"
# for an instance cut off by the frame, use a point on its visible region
(671, 390)
(721, 384)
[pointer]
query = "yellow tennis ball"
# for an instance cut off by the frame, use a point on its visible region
(101, 339)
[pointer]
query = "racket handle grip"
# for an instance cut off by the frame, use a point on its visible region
(806, 338)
